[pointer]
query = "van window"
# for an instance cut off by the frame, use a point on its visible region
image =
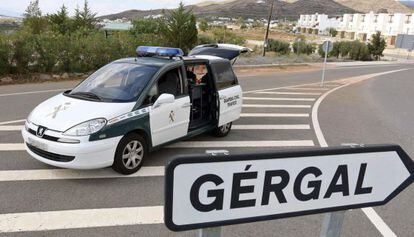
(224, 75)
(169, 83)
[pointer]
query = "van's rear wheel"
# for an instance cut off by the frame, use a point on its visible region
(222, 131)
(130, 154)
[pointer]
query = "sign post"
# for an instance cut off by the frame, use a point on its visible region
(327, 47)
(212, 191)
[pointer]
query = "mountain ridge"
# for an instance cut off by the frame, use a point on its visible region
(283, 8)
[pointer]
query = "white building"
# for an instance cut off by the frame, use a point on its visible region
(360, 26)
(318, 23)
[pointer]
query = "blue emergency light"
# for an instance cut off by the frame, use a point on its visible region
(149, 51)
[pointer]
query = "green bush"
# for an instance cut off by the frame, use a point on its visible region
(278, 46)
(205, 39)
(223, 35)
(353, 50)
(4, 55)
(302, 47)
(359, 51)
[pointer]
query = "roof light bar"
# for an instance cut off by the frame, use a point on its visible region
(149, 51)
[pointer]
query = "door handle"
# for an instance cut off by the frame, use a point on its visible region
(186, 105)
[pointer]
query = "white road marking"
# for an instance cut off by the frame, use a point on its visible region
(59, 174)
(375, 219)
(274, 106)
(11, 128)
(278, 99)
(34, 92)
(12, 147)
(287, 93)
(308, 88)
(378, 222)
(273, 115)
(13, 121)
(271, 127)
(216, 144)
(82, 218)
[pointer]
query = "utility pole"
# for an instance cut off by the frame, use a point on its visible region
(268, 27)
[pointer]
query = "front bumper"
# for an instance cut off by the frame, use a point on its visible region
(87, 155)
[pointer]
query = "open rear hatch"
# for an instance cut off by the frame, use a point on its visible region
(228, 51)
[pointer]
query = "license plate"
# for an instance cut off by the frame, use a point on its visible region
(37, 144)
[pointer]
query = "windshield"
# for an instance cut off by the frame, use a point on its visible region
(115, 82)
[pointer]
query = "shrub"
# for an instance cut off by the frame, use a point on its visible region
(359, 51)
(278, 46)
(332, 32)
(303, 47)
(205, 39)
(4, 55)
(223, 35)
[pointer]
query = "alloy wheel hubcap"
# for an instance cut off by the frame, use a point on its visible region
(132, 154)
(225, 128)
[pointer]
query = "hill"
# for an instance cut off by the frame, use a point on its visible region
(409, 4)
(249, 9)
(290, 9)
(392, 6)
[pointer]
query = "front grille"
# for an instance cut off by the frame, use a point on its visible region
(47, 137)
(49, 155)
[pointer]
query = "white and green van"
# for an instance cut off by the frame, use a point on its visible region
(132, 106)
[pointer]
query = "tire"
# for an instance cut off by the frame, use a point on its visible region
(130, 154)
(222, 131)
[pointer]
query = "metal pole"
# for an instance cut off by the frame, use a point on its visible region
(332, 224)
(324, 62)
(215, 231)
(268, 27)
(210, 232)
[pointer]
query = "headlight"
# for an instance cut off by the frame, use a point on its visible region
(28, 121)
(86, 128)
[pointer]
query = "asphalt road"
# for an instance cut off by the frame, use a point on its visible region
(376, 110)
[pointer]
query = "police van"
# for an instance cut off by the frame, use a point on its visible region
(133, 106)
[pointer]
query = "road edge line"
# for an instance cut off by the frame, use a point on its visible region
(371, 214)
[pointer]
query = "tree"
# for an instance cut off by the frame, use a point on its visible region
(377, 45)
(85, 19)
(203, 25)
(333, 32)
(145, 26)
(61, 21)
(179, 28)
(33, 19)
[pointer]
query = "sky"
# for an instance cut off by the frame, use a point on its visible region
(102, 7)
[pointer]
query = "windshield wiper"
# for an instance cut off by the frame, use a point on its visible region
(89, 95)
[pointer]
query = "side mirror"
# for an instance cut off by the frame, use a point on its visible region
(164, 99)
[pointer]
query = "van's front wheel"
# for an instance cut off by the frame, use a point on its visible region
(130, 154)
(223, 130)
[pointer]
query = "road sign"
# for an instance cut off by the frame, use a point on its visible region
(327, 45)
(206, 191)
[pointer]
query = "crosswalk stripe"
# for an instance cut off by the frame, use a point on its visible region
(279, 99)
(81, 218)
(287, 93)
(216, 144)
(66, 174)
(273, 115)
(274, 106)
(13, 121)
(271, 127)
(11, 128)
(12, 147)
(308, 88)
